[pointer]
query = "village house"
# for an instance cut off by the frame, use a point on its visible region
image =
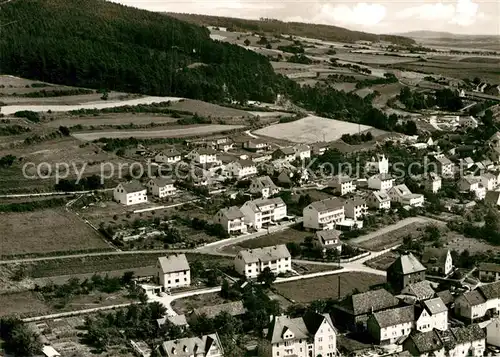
(170, 156)
(310, 335)
(263, 186)
(405, 270)
(493, 332)
(261, 212)
(241, 169)
(319, 149)
(223, 144)
(232, 220)
(470, 305)
(251, 262)
(353, 311)
(419, 291)
(403, 195)
(302, 152)
(329, 239)
(433, 182)
(472, 184)
(489, 181)
(204, 346)
(255, 145)
(438, 260)
(286, 153)
(379, 200)
(173, 271)
(431, 314)
(489, 271)
(392, 325)
(161, 187)
(380, 182)
(355, 208)
(203, 155)
(342, 184)
(493, 198)
(130, 193)
(323, 214)
(459, 341)
(444, 166)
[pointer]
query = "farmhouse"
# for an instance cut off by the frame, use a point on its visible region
(438, 260)
(161, 187)
(489, 272)
(379, 200)
(203, 155)
(401, 194)
(432, 314)
(404, 271)
(389, 326)
(264, 187)
(310, 335)
(324, 214)
(286, 153)
(262, 212)
(204, 346)
(173, 271)
(380, 182)
(251, 262)
(354, 310)
(329, 239)
(342, 184)
(241, 169)
(170, 156)
(130, 193)
(355, 208)
(231, 219)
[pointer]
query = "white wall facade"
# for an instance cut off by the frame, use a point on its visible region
(128, 199)
(427, 322)
(174, 279)
(321, 220)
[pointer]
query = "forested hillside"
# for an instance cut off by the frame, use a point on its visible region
(103, 45)
(321, 32)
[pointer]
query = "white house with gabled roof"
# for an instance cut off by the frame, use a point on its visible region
(241, 168)
(379, 200)
(324, 214)
(130, 193)
(342, 184)
(203, 155)
(162, 187)
(380, 182)
(403, 195)
(264, 186)
(173, 271)
(431, 314)
(251, 262)
(231, 219)
(260, 212)
(170, 156)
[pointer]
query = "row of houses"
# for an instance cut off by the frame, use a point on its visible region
(131, 193)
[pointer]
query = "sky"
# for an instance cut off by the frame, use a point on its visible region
(389, 16)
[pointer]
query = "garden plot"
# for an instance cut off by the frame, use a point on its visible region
(311, 129)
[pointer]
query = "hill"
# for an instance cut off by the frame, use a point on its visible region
(103, 45)
(321, 32)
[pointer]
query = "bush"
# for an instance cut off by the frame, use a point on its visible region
(28, 114)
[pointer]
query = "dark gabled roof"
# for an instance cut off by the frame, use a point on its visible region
(132, 186)
(374, 300)
(434, 256)
(491, 291)
(280, 324)
(327, 204)
(313, 321)
(286, 150)
(468, 333)
(232, 212)
(162, 181)
(446, 296)
(407, 264)
(421, 290)
(395, 316)
(426, 342)
(474, 298)
(435, 306)
(490, 267)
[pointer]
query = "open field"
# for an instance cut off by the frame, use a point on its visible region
(327, 287)
(283, 237)
(111, 119)
(11, 109)
(188, 304)
(371, 58)
(23, 304)
(458, 242)
(391, 238)
(311, 129)
(46, 231)
(208, 109)
(184, 131)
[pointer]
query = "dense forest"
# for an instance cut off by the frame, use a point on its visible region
(103, 45)
(322, 32)
(444, 98)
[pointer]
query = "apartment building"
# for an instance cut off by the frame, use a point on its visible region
(262, 212)
(342, 184)
(251, 262)
(241, 169)
(232, 220)
(130, 193)
(173, 271)
(324, 214)
(355, 208)
(445, 166)
(310, 335)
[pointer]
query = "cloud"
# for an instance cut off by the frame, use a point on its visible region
(361, 14)
(463, 13)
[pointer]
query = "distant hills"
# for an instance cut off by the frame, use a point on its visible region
(321, 32)
(444, 35)
(104, 45)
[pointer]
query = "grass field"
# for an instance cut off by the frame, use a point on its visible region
(372, 59)
(46, 231)
(188, 304)
(326, 287)
(111, 119)
(311, 129)
(392, 238)
(208, 109)
(283, 237)
(183, 131)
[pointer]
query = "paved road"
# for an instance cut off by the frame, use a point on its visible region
(58, 193)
